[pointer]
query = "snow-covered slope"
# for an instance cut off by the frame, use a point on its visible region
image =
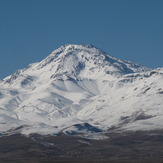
(79, 89)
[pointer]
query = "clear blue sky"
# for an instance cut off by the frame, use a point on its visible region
(127, 29)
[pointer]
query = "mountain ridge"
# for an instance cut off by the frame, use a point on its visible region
(76, 59)
(81, 89)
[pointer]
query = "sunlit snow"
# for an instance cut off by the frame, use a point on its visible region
(80, 84)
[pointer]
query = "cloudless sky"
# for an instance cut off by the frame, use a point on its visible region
(127, 29)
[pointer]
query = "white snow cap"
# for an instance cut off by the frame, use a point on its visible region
(79, 89)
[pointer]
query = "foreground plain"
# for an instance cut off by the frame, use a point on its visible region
(134, 147)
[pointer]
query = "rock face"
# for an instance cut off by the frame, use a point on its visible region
(81, 89)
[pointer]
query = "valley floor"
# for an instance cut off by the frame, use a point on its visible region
(133, 147)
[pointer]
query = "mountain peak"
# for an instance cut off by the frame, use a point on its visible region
(87, 61)
(79, 61)
(77, 46)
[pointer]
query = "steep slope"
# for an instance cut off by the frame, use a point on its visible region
(79, 89)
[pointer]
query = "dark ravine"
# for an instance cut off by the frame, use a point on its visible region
(130, 147)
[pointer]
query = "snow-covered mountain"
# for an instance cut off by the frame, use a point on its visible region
(79, 89)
